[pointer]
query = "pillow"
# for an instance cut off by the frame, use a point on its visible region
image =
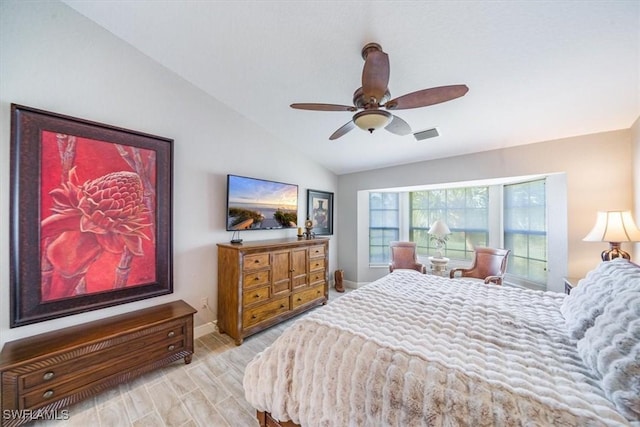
(601, 285)
(611, 349)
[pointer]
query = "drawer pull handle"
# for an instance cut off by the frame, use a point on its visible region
(256, 261)
(48, 376)
(256, 296)
(171, 347)
(171, 334)
(254, 316)
(256, 278)
(299, 299)
(281, 305)
(47, 394)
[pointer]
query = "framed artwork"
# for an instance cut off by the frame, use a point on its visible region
(320, 211)
(90, 214)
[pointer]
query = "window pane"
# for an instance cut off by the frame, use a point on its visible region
(383, 225)
(464, 210)
(525, 230)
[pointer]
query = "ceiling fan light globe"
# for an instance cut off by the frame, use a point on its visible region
(371, 120)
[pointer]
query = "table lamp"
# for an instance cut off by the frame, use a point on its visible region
(439, 232)
(614, 227)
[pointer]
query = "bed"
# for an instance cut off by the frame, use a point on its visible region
(419, 350)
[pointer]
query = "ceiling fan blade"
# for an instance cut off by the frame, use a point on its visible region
(375, 76)
(425, 97)
(344, 129)
(398, 126)
(324, 107)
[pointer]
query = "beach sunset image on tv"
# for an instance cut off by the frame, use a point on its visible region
(256, 204)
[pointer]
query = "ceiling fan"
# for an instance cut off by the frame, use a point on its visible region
(374, 94)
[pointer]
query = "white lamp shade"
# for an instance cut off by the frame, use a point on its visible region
(614, 226)
(372, 119)
(439, 228)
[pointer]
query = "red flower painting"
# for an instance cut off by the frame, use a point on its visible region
(99, 234)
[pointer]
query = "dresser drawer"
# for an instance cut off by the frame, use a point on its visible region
(260, 313)
(316, 264)
(257, 278)
(316, 277)
(255, 261)
(303, 297)
(60, 372)
(316, 252)
(255, 296)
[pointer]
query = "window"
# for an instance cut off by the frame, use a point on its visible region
(525, 230)
(464, 210)
(507, 212)
(384, 225)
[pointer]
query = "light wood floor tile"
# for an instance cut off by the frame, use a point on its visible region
(150, 420)
(138, 402)
(235, 414)
(168, 405)
(114, 415)
(202, 411)
(208, 383)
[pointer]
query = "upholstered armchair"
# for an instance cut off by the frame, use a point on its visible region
(405, 256)
(489, 264)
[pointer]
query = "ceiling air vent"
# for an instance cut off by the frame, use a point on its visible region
(426, 134)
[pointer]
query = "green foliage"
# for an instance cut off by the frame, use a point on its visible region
(286, 219)
(240, 215)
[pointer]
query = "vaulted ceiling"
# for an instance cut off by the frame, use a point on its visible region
(536, 70)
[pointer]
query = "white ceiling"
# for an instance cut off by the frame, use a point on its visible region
(536, 70)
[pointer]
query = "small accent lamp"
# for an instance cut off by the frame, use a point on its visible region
(308, 225)
(440, 233)
(372, 119)
(614, 227)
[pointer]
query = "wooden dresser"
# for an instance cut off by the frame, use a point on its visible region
(262, 283)
(46, 372)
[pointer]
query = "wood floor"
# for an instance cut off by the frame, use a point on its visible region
(208, 392)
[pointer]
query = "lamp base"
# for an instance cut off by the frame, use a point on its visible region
(614, 252)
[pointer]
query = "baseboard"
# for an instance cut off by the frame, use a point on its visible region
(207, 328)
(353, 285)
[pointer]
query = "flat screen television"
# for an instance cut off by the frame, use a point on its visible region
(259, 204)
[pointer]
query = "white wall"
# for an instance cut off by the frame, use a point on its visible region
(598, 177)
(54, 59)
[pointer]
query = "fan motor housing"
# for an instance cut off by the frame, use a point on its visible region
(360, 102)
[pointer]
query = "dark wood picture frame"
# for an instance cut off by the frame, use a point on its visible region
(142, 241)
(320, 211)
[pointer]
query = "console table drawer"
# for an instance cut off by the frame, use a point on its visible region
(56, 369)
(126, 345)
(65, 386)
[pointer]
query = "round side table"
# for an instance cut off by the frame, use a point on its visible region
(438, 265)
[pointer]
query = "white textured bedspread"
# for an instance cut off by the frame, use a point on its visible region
(419, 350)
